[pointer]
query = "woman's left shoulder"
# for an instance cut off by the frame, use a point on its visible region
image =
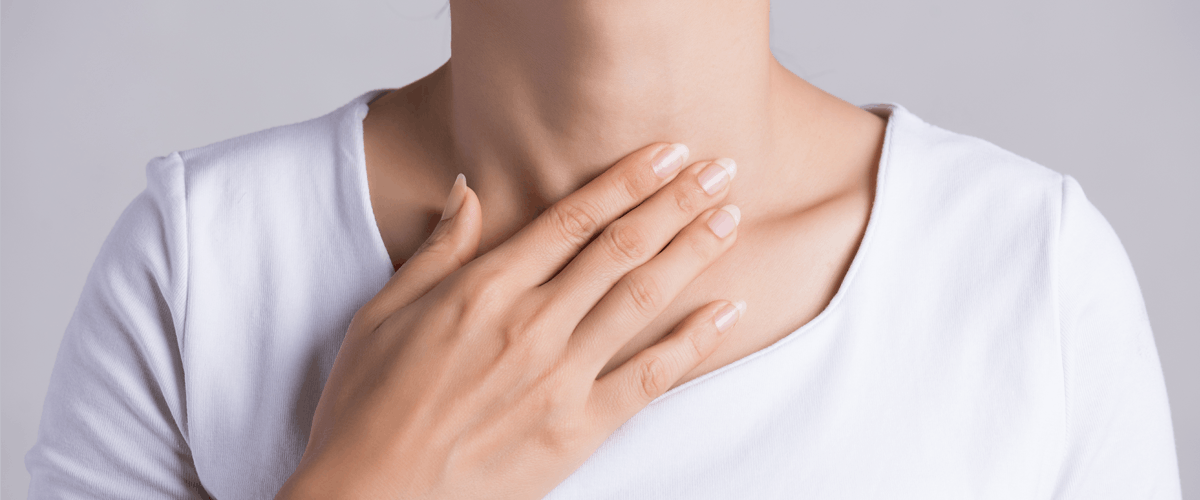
(962, 171)
(978, 207)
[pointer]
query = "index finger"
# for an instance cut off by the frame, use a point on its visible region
(547, 244)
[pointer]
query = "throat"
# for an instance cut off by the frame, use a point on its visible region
(554, 92)
(541, 96)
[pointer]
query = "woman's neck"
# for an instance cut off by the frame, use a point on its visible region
(554, 91)
(541, 96)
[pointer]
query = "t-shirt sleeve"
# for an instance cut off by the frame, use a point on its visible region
(114, 422)
(1119, 441)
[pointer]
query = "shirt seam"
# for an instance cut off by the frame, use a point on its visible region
(1056, 311)
(183, 288)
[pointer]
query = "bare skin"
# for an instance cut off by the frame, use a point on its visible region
(541, 96)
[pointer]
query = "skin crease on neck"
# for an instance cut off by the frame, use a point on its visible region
(541, 96)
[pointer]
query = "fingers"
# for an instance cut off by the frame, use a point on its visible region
(643, 294)
(453, 243)
(616, 397)
(641, 234)
(544, 246)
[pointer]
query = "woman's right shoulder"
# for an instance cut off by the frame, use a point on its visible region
(274, 162)
(286, 191)
(256, 185)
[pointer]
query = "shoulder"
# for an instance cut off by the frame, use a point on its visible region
(272, 164)
(995, 247)
(976, 224)
(973, 202)
(292, 191)
(977, 190)
(937, 168)
(275, 188)
(997, 221)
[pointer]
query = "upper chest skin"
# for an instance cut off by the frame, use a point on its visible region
(787, 269)
(786, 266)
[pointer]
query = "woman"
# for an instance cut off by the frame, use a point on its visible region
(926, 315)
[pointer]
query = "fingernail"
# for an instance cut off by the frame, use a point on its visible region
(717, 174)
(458, 194)
(669, 159)
(728, 315)
(724, 220)
(729, 165)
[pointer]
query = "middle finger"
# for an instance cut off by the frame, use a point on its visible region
(638, 236)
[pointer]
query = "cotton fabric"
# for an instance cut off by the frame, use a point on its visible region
(988, 341)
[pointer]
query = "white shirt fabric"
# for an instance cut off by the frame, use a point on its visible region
(989, 341)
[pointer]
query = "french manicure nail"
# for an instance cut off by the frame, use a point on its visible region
(458, 194)
(717, 174)
(728, 315)
(729, 165)
(669, 159)
(724, 220)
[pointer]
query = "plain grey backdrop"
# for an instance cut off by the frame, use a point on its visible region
(1106, 91)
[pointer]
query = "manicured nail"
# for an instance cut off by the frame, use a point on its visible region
(669, 159)
(458, 194)
(724, 220)
(729, 165)
(717, 174)
(728, 315)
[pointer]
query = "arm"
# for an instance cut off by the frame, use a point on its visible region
(1119, 439)
(114, 421)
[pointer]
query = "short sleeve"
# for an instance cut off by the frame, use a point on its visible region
(114, 423)
(1119, 441)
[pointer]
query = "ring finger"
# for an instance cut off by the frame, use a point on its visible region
(642, 295)
(638, 236)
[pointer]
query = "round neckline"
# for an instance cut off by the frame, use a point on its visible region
(360, 108)
(860, 255)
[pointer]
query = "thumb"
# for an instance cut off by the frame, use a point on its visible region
(453, 243)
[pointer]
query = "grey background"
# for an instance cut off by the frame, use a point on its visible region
(1105, 91)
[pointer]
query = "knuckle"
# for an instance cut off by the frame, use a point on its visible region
(516, 338)
(625, 242)
(486, 290)
(531, 329)
(552, 404)
(635, 185)
(517, 348)
(561, 435)
(689, 200)
(704, 249)
(523, 331)
(653, 378)
(576, 222)
(695, 346)
(644, 292)
(366, 318)
(442, 249)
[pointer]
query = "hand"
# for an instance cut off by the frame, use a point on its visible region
(477, 378)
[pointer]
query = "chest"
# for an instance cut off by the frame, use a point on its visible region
(915, 385)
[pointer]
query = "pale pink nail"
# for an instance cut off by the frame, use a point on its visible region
(717, 174)
(724, 220)
(458, 194)
(669, 159)
(728, 315)
(729, 165)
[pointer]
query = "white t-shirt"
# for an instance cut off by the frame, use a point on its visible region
(989, 341)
